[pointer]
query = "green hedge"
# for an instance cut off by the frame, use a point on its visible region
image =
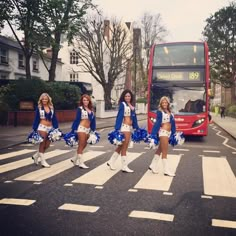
(231, 111)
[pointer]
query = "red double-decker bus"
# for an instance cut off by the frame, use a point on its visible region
(180, 71)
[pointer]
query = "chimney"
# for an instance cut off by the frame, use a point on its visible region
(107, 29)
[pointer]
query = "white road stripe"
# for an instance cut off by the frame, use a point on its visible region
(152, 215)
(211, 151)
(28, 161)
(55, 169)
(179, 149)
(16, 153)
(17, 201)
(101, 174)
(224, 223)
(77, 207)
(159, 181)
(218, 178)
(207, 197)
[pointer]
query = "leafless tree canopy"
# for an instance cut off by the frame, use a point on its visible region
(104, 49)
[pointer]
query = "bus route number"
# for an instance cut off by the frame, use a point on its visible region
(194, 75)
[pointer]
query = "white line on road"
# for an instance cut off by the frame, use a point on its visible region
(207, 197)
(16, 153)
(152, 215)
(218, 178)
(224, 223)
(28, 161)
(159, 181)
(179, 149)
(211, 151)
(55, 169)
(101, 174)
(17, 201)
(77, 207)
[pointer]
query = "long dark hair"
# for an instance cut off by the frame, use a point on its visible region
(122, 96)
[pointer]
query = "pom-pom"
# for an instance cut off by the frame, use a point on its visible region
(152, 141)
(94, 138)
(139, 135)
(71, 139)
(34, 137)
(176, 139)
(54, 135)
(116, 137)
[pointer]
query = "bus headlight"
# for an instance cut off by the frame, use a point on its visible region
(153, 120)
(198, 122)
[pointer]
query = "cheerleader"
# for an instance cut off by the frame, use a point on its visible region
(45, 119)
(164, 127)
(125, 120)
(84, 123)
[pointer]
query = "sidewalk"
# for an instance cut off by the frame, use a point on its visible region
(10, 135)
(228, 124)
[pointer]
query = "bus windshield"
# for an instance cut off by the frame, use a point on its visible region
(176, 55)
(184, 100)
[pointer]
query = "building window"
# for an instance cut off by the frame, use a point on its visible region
(74, 77)
(21, 61)
(4, 76)
(74, 57)
(35, 64)
(3, 56)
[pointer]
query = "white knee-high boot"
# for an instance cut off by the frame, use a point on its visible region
(111, 162)
(125, 167)
(43, 161)
(35, 158)
(153, 166)
(75, 160)
(81, 162)
(166, 168)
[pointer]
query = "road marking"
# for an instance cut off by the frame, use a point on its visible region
(77, 207)
(211, 151)
(207, 197)
(68, 185)
(159, 181)
(178, 149)
(99, 187)
(152, 215)
(17, 201)
(233, 152)
(28, 161)
(226, 139)
(55, 169)
(224, 223)
(101, 174)
(167, 193)
(218, 178)
(16, 153)
(8, 181)
(133, 190)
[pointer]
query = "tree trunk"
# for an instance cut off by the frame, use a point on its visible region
(27, 66)
(107, 96)
(55, 50)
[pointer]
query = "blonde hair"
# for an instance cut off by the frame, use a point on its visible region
(40, 104)
(161, 100)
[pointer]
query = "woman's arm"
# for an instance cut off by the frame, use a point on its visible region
(93, 122)
(77, 120)
(36, 120)
(120, 117)
(157, 124)
(134, 119)
(54, 120)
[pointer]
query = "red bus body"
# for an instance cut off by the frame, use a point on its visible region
(185, 84)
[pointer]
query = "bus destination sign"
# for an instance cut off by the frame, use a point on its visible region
(178, 75)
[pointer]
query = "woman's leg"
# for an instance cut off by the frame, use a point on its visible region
(83, 137)
(42, 148)
(124, 147)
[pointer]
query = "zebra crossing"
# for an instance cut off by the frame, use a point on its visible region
(218, 178)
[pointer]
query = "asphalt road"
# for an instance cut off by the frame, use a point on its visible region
(66, 200)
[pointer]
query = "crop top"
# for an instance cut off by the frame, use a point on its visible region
(82, 114)
(123, 111)
(41, 114)
(163, 117)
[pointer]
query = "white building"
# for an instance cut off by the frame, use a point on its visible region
(12, 62)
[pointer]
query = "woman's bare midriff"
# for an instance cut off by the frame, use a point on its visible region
(166, 126)
(45, 122)
(127, 120)
(85, 123)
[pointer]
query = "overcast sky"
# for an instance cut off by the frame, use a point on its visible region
(184, 19)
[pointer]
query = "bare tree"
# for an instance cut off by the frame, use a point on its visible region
(152, 32)
(104, 49)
